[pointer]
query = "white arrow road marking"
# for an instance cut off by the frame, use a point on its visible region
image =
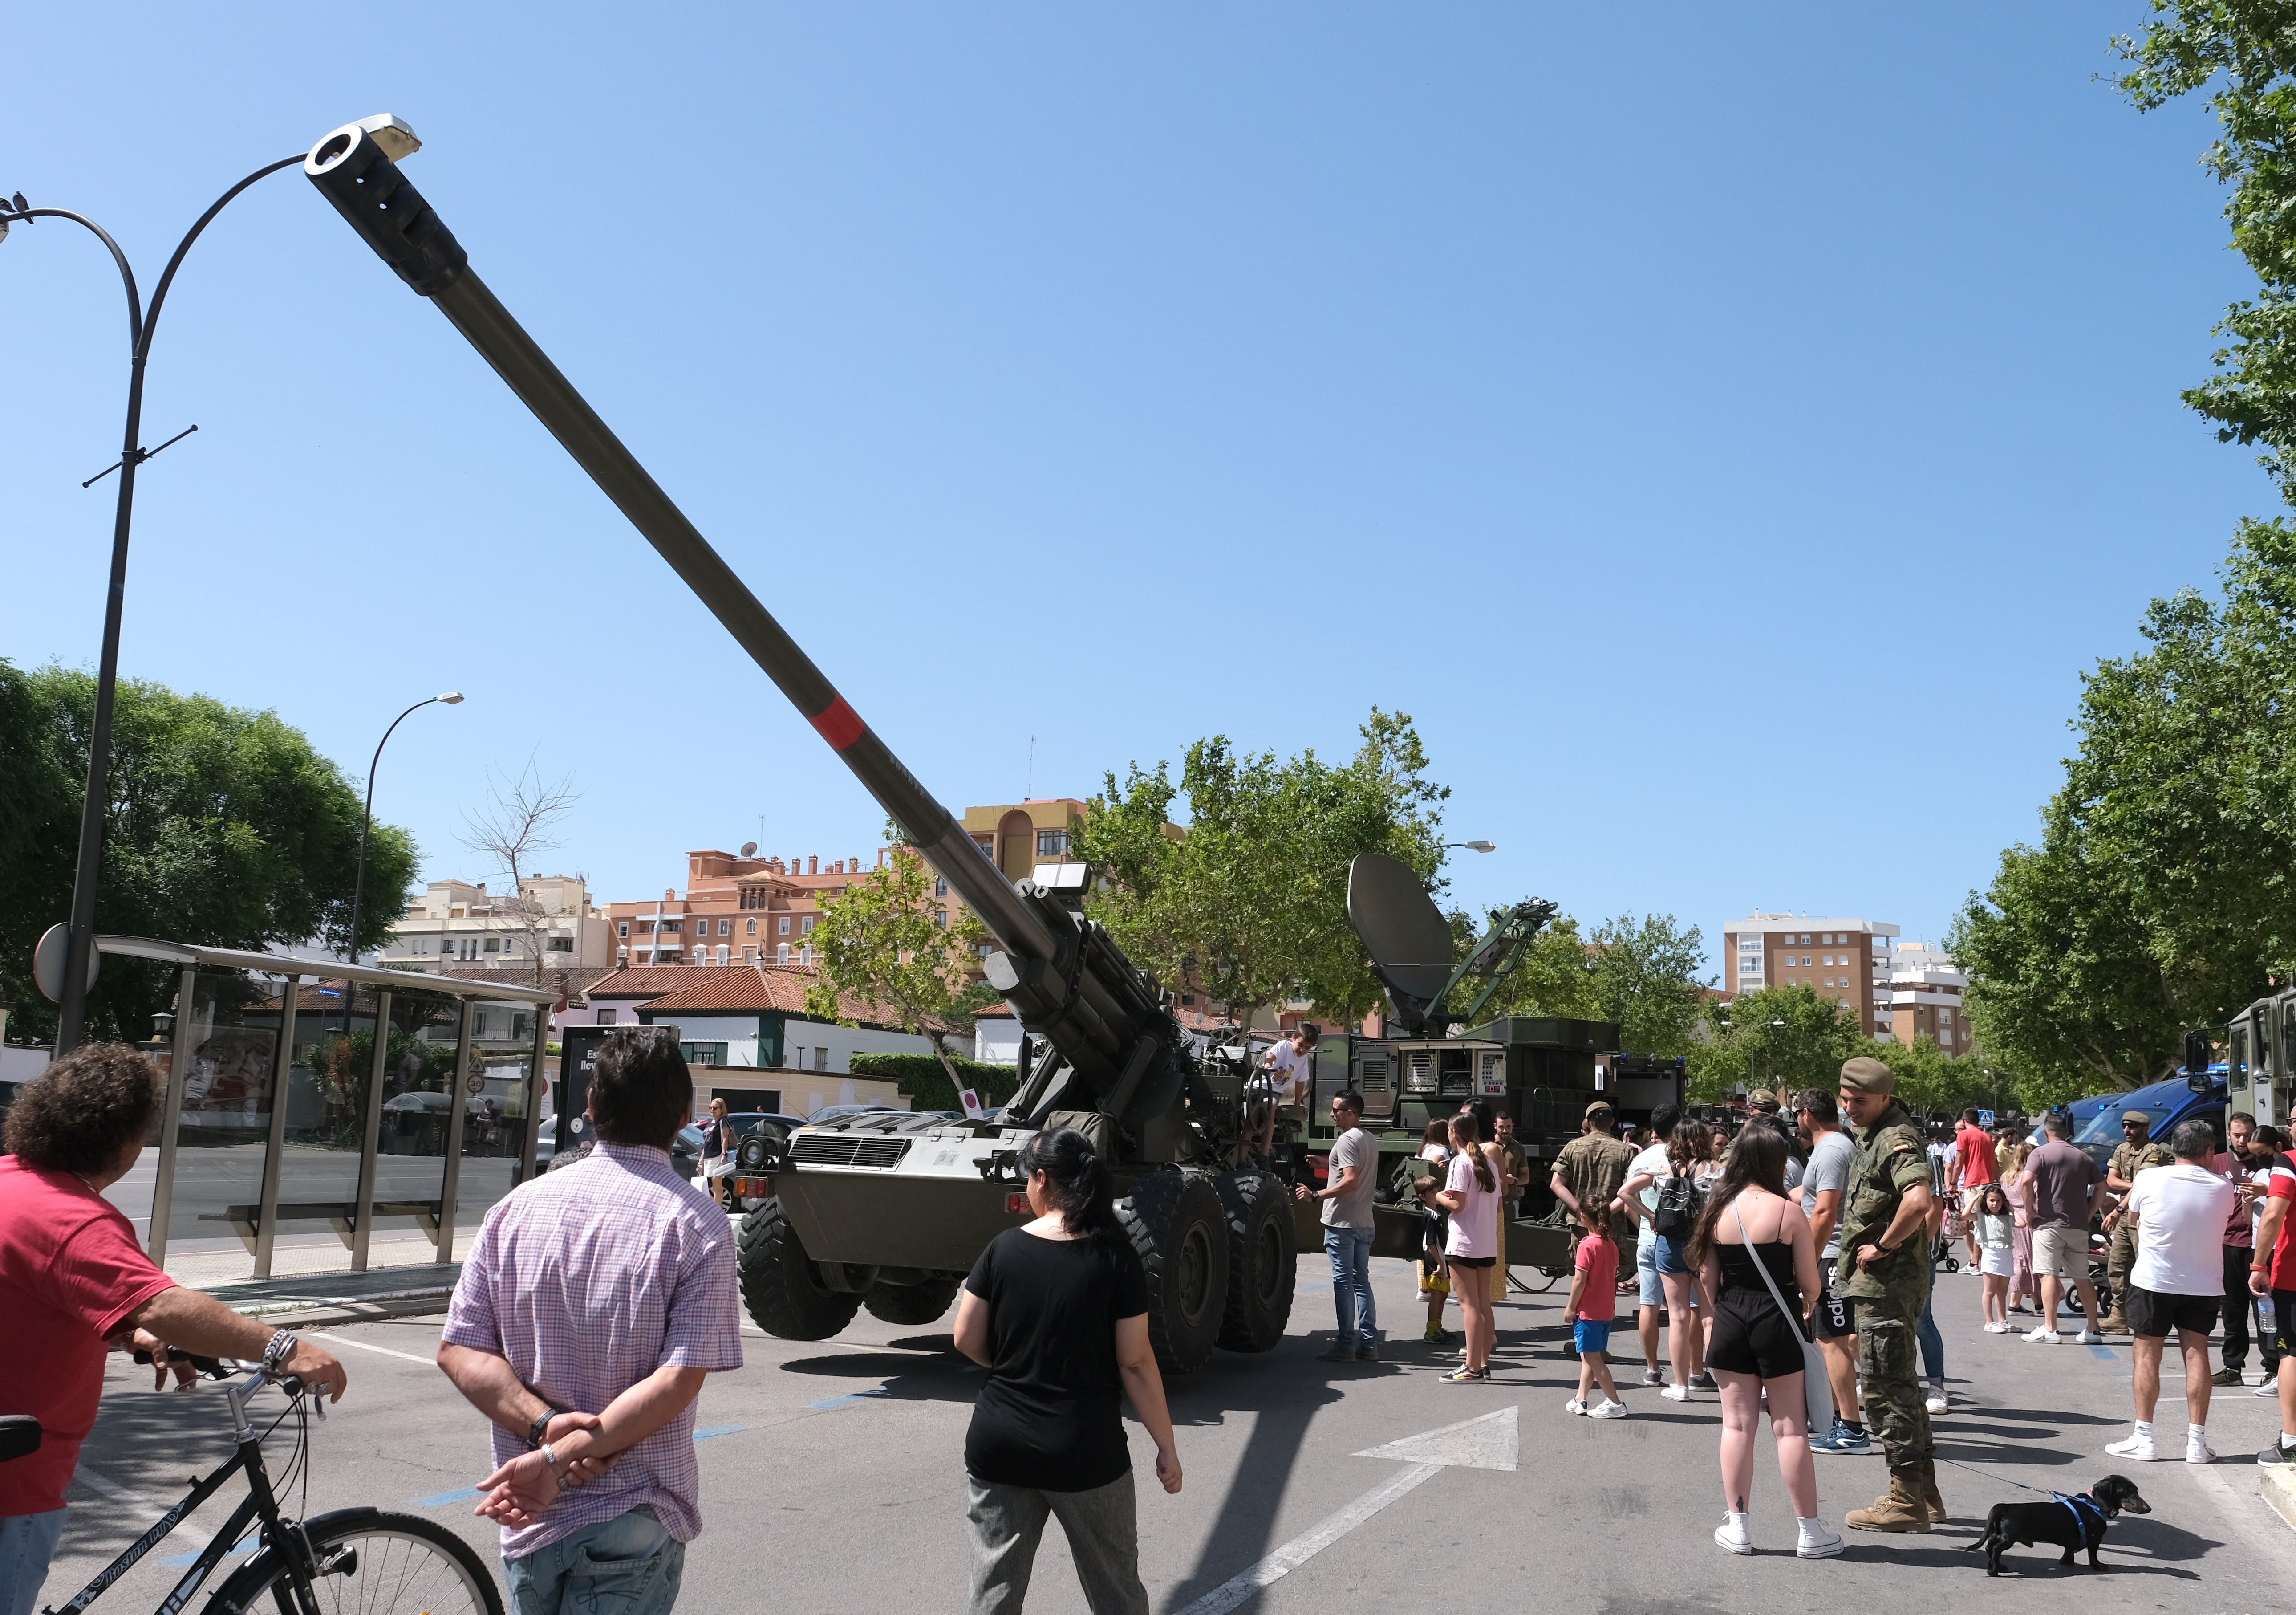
(1487, 1442)
(105, 1487)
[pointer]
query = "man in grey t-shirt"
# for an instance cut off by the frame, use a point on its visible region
(1353, 1174)
(1824, 1181)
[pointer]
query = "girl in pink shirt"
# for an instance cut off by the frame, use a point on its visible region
(1470, 1194)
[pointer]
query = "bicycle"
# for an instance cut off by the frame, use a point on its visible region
(356, 1558)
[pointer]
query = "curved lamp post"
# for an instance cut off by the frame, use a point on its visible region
(393, 136)
(453, 698)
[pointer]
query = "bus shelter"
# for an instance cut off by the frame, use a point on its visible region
(306, 1097)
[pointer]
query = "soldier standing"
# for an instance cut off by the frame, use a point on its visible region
(1884, 1276)
(2136, 1152)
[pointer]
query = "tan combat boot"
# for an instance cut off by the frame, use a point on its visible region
(2113, 1324)
(1901, 1510)
(1926, 1484)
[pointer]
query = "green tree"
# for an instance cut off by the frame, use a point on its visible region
(1642, 974)
(882, 942)
(1248, 906)
(1775, 1038)
(2243, 53)
(224, 826)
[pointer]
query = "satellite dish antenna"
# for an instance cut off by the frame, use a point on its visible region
(1405, 934)
(749, 849)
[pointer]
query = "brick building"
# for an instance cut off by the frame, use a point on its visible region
(1848, 961)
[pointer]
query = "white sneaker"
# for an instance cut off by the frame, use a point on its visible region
(2197, 1451)
(1818, 1541)
(2136, 1449)
(1680, 1393)
(2270, 1388)
(1936, 1400)
(1733, 1536)
(1608, 1409)
(2089, 1336)
(1574, 1406)
(2001, 1329)
(2046, 1337)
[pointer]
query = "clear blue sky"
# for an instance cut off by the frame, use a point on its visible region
(1728, 431)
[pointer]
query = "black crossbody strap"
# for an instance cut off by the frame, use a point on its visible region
(1763, 1268)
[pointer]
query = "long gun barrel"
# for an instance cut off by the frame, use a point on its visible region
(1071, 984)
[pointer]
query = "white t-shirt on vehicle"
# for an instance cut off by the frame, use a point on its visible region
(1287, 1069)
(2180, 1210)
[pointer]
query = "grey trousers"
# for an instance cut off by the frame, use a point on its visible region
(1103, 1533)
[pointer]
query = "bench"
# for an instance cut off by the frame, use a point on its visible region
(245, 1220)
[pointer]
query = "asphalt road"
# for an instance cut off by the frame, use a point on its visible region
(834, 1470)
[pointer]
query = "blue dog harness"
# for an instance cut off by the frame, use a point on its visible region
(2079, 1501)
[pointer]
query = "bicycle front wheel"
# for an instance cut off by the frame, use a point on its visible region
(369, 1563)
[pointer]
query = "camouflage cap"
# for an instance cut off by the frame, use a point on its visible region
(2137, 1116)
(1761, 1096)
(1867, 1075)
(1601, 1108)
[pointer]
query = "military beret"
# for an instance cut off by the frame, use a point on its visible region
(1761, 1096)
(1601, 1107)
(1867, 1074)
(2137, 1116)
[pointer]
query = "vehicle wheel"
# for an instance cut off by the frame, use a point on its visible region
(780, 1284)
(1175, 1223)
(370, 1561)
(1263, 1264)
(911, 1305)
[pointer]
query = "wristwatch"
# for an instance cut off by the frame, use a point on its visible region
(540, 1428)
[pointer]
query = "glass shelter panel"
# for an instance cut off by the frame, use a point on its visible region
(327, 1086)
(225, 1127)
(494, 1094)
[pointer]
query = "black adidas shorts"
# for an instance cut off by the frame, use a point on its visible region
(1833, 1321)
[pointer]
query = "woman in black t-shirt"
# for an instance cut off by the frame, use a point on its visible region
(1057, 1311)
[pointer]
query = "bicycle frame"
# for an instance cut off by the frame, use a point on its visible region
(261, 1503)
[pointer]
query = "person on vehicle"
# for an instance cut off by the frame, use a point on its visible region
(1291, 1068)
(2137, 1151)
(1825, 1179)
(74, 1283)
(1471, 1196)
(1677, 1281)
(594, 1303)
(1351, 1176)
(1752, 1236)
(1057, 1311)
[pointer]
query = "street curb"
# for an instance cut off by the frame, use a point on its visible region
(2279, 1488)
(350, 1309)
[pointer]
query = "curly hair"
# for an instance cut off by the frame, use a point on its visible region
(79, 1114)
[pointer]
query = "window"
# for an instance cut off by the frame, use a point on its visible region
(725, 927)
(805, 954)
(1052, 844)
(606, 1018)
(1945, 1018)
(783, 928)
(940, 886)
(1187, 999)
(781, 954)
(940, 918)
(722, 952)
(671, 927)
(561, 944)
(820, 1059)
(704, 1054)
(752, 928)
(622, 930)
(806, 929)
(493, 944)
(1805, 943)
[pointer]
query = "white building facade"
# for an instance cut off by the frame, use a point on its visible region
(454, 922)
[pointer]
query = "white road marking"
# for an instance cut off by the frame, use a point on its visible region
(2243, 1508)
(1487, 1442)
(111, 1490)
(408, 1356)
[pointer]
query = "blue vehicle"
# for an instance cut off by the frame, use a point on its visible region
(2096, 1121)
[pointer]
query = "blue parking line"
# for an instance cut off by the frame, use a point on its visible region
(859, 1396)
(2104, 1352)
(718, 1430)
(460, 1494)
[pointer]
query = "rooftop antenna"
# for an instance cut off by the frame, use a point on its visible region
(1031, 789)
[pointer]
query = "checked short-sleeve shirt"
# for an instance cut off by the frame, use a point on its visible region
(587, 1281)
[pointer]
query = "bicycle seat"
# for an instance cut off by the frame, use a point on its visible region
(19, 1433)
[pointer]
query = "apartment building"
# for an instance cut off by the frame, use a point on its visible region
(1925, 993)
(1019, 835)
(456, 923)
(1848, 961)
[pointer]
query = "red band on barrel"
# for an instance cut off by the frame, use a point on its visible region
(840, 724)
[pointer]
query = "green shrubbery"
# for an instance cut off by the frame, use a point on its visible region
(922, 1078)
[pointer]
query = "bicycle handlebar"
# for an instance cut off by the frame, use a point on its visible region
(225, 1368)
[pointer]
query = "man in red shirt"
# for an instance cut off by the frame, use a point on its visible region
(2273, 1272)
(74, 1283)
(1977, 1164)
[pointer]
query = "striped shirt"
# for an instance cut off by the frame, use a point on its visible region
(588, 1280)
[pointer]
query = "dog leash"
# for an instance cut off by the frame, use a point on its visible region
(2074, 1502)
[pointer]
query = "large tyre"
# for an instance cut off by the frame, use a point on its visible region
(780, 1285)
(1174, 1221)
(1263, 1263)
(911, 1305)
(371, 1560)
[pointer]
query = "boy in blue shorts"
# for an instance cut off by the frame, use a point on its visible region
(1594, 1306)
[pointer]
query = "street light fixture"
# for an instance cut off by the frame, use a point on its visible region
(453, 698)
(391, 135)
(1475, 846)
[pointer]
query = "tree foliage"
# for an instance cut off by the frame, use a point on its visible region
(2243, 53)
(881, 941)
(1644, 974)
(1775, 1038)
(224, 826)
(1248, 907)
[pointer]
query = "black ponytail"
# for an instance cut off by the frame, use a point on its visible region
(1077, 1182)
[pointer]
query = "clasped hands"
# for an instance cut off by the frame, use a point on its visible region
(517, 1494)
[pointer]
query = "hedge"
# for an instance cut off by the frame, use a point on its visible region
(921, 1077)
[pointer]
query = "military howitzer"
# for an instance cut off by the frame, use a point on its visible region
(889, 1210)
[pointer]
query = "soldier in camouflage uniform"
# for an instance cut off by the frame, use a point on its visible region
(2136, 1152)
(1884, 1277)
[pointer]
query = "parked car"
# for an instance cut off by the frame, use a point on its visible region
(829, 1113)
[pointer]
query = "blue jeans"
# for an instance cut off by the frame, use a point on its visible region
(1926, 1335)
(1349, 1250)
(27, 1542)
(628, 1565)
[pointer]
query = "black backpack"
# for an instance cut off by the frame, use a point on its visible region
(1680, 1200)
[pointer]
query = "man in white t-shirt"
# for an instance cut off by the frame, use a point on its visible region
(1349, 1181)
(2177, 1281)
(1639, 1204)
(1291, 1068)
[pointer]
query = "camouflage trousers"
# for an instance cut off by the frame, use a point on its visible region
(1890, 1386)
(2118, 1264)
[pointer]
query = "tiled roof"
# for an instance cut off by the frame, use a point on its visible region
(568, 979)
(731, 990)
(994, 1010)
(652, 981)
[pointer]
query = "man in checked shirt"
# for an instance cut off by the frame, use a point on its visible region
(593, 1302)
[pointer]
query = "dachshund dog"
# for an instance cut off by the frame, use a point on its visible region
(2074, 1523)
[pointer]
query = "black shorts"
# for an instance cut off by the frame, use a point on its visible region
(2283, 1319)
(2153, 1315)
(1471, 1261)
(1834, 1321)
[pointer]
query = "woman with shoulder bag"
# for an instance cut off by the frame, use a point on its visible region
(1753, 1247)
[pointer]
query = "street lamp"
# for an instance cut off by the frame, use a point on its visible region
(1475, 846)
(392, 135)
(453, 698)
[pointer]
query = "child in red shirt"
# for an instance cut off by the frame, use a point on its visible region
(1593, 1306)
